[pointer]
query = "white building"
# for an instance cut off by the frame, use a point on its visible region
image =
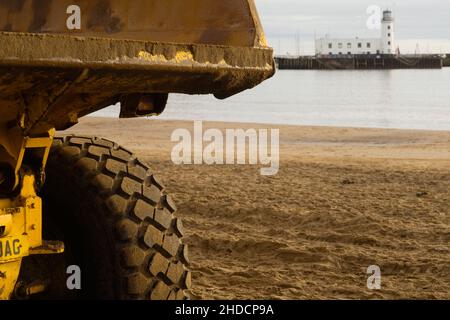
(383, 45)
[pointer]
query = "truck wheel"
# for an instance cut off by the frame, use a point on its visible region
(117, 223)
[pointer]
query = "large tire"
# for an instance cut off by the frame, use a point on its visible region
(116, 221)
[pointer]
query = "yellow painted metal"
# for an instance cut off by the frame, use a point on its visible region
(9, 273)
(8, 270)
(13, 248)
(43, 143)
(6, 223)
(48, 247)
(15, 146)
(21, 218)
(31, 289)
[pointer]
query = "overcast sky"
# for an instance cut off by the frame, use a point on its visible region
(422, 22)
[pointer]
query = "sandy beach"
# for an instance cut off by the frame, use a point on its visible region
(344, 199)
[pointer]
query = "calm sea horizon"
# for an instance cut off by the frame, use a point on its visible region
(394, 99)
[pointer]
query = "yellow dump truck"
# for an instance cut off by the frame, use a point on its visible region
(98, 207)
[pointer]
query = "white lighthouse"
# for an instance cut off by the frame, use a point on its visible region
(385, 44)
(387, 33)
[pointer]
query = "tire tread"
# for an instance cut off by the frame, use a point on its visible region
(152, 259)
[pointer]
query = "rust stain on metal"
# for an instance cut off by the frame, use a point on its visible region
(41, 8)
(12, 5)
(225, 22)
(102, 16)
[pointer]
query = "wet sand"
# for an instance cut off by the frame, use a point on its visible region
(344, 199)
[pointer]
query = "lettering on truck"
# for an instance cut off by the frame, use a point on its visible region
(10, 248)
